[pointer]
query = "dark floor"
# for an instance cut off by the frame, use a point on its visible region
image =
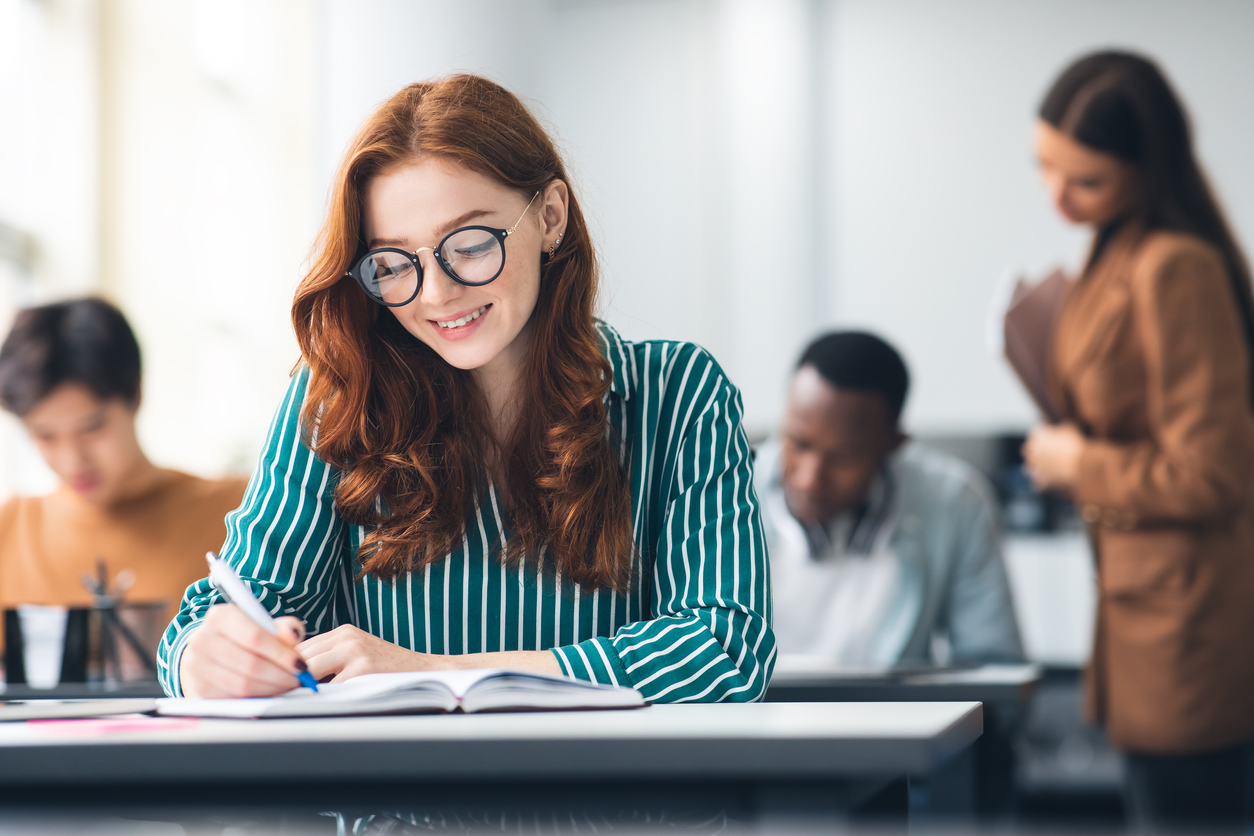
(1064, 769)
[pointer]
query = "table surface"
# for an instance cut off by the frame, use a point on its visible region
(989, 683)
(816, 741)
(798, 681)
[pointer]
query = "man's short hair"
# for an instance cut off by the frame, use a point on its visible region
(860, 360)
(84, 341)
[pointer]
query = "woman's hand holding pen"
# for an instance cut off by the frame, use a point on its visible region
(349, 651)
(1052, 454)
(229, 655)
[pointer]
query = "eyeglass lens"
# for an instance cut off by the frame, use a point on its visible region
(473, 256)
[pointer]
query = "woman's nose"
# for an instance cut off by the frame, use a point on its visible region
(438, 288)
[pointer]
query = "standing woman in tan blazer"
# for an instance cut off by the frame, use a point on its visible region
(1151, 369)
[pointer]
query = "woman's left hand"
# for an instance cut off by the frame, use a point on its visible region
(1052, 456)
(349, 651)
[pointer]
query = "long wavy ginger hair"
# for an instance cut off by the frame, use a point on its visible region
(407, 429)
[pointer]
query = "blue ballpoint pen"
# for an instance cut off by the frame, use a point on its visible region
(238, 593)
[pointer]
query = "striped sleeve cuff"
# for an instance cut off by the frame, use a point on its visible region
(667, 660)
(172, 681)
(594, 660)
(678, 659)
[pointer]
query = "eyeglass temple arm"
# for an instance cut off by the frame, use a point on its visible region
(510, 231)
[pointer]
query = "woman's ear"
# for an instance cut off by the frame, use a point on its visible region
(553, 214)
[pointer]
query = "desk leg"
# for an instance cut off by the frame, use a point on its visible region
(995, 762)
(949, 790)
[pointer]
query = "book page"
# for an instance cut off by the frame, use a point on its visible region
(520, 690)
(417, 692)
(378, 693)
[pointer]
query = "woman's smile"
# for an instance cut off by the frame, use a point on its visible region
(461, 326)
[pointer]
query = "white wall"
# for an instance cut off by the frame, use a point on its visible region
(49, 142)
(693, 129)
(207, 212)
(496, 38)
(933, 181)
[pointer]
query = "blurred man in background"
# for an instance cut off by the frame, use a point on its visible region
(71, 372)
(882, 552)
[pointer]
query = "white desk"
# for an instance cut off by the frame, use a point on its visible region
(1054, 587)
(830, 754)
(753, 741)
(83, 691)
(805, 681)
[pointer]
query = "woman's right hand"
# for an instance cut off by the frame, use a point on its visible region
(1052, 455)
(229, 655)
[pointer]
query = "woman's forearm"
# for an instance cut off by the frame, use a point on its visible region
(539, 661)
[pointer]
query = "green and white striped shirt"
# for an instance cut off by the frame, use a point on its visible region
(695, 625)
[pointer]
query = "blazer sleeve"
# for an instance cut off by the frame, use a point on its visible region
(285, 541)
(1196, 465)
(710, 637)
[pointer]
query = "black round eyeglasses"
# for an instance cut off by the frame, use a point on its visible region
(469, 255)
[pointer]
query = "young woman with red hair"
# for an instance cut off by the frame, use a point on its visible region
(470, 470)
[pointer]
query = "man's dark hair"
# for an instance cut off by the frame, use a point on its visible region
(858, 360)
(84, 341)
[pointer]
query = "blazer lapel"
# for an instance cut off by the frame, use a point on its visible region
(1085, 328)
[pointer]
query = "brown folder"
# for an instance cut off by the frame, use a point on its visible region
(1029, 335)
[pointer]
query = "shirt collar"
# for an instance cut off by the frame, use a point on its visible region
(870, 520)
(621, 358)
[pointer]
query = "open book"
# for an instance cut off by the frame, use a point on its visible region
(419, 692)
(1029, 335)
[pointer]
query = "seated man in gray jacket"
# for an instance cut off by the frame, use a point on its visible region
(878, 547)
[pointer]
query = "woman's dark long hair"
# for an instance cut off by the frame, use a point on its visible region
(1120, 104)
(409, 429)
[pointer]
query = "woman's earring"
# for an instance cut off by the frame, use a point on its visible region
(554, 245)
